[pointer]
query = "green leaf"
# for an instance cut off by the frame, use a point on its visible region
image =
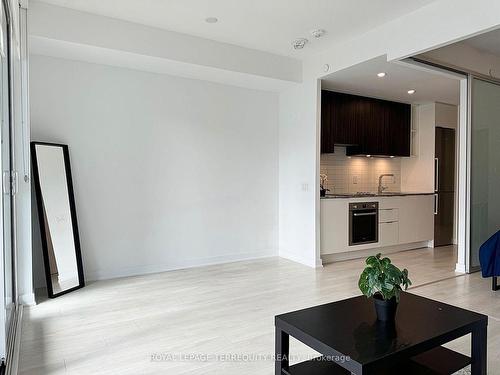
(372, 261)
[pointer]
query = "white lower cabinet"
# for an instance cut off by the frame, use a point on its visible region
(334, 225)
(402, 220)
(388, 233)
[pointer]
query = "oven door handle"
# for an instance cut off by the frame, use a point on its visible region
(364, 214)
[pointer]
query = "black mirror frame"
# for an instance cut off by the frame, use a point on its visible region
(41, 218)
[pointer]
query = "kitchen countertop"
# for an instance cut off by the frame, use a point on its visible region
(373, 195)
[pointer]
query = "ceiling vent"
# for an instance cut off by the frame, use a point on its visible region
(318, 33)
(299, 43)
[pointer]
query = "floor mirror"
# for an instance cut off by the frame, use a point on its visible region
(57, 217)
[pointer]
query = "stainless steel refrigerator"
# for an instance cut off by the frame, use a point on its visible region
(444, 186)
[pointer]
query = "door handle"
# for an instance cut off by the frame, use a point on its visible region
(365, 214)
(436, 204)
(436, 174)
(15, 183)
(6, 183)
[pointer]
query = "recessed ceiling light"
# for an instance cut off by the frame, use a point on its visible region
(211, 20)
(392, 156)
(299, 43)
(381, 74)
(411, 92)
(318, 33)
(368, 156)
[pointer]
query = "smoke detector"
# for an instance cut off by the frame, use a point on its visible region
(318, 33)
(299, 43)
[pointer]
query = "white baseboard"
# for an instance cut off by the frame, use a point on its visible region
(298, 259)
(356, 254)
(105, 274)
(460, 268)
(27, 299)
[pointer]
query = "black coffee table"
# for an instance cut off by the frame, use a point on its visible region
(351, 340)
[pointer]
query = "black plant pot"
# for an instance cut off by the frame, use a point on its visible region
(322, 192)
(386, 309)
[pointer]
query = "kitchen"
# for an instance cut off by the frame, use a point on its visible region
(388, 163)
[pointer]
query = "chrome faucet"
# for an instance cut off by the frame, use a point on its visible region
(380, 187)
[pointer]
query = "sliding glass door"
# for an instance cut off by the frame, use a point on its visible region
(8, 302)
(485, 164)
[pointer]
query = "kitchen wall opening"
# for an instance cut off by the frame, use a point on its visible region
(389, 149)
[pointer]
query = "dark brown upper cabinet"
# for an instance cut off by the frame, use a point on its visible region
(366, 126)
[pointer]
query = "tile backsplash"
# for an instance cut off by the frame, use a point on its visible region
(355, 174)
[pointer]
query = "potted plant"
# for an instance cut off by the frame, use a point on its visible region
(383, 281)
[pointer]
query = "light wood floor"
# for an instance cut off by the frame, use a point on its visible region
(115, 326)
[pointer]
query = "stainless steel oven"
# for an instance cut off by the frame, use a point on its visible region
(363, 223)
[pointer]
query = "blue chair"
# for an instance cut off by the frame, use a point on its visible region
(489, 257)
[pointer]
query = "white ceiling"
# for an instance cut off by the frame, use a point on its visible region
(268, 25)
(362, 79)
(488, 42)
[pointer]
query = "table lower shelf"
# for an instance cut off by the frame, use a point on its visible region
(438, 361)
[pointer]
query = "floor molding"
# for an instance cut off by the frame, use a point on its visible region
(27, 299)
(107, 274)
(460, 268)
(356, 254)
(298, 259)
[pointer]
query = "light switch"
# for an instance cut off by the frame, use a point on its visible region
(355, 180)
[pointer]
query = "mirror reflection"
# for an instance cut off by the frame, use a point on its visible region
(57, 218)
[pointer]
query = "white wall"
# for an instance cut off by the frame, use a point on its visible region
(298, 177)
(417, 172)
(168, 172)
